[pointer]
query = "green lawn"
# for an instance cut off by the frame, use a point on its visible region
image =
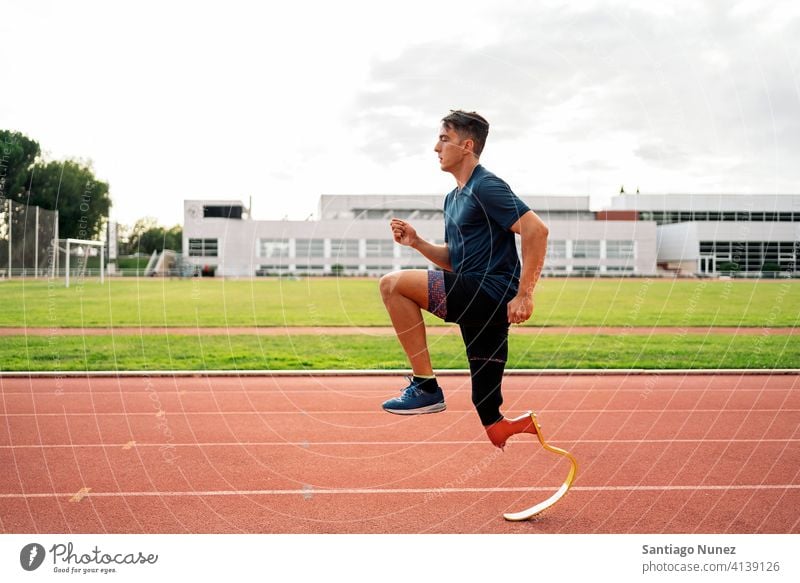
(208, 302)
(177, 352)
(219, 303)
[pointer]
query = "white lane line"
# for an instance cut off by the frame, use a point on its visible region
(178, 412)
(379, 391)
(307, 444)
(317, 373)
(80, 494)
(436, 491)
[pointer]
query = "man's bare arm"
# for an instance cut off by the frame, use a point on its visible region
(534, 233)
(405, 234)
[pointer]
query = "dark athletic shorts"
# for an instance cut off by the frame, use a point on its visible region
(483, 320)
(458, 298)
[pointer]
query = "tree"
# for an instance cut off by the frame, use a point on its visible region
(70, 187)
(17, 155)
(139, 228)
(147, 236)
(174, 239)
(152, 240)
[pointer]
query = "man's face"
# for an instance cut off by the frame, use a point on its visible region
(451, 148)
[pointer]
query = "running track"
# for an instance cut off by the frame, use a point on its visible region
(657, 453)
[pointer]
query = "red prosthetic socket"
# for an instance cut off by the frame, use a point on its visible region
(500, 432)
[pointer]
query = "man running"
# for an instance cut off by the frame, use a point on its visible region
(482, 286)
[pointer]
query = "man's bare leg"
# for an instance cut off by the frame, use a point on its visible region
(405, 295)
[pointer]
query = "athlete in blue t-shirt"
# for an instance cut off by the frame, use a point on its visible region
(482, 285)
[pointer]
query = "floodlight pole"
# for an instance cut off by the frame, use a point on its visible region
(54, 263)
(36, 247)
(9, 237)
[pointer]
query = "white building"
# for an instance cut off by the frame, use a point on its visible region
(352, 237)
(711, 234)
(639, 234)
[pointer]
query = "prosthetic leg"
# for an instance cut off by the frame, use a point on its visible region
(487, 351)
(500, 432)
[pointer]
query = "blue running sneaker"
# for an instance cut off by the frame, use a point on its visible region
(415, 401)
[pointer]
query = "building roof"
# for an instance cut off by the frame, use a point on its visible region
(707, 202)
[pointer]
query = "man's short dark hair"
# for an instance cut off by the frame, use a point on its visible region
(468, 124)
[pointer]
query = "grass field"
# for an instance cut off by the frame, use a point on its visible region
(219, 352)
(356, 302)
(217, 303)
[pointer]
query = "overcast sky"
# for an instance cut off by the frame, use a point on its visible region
(284, 102)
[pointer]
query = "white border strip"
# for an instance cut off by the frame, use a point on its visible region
(310, 413)
(391, 372)
(309, 444)
(310, 491)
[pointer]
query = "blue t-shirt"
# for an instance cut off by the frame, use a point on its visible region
(477, 220)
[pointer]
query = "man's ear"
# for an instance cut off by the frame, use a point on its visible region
(469, 146)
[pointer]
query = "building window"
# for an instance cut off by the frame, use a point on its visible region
(584, 249)
(380, 247)
(274, 269)
(273, 248)
(212, 211)
(374, 214)
(667, 217)
(408, 252)
(309, 268)
(748, 256)
(619, 249)
(556, 249)
(203, 247)
(344, 248)
(620, 268)
(309, 248)
(434, 215)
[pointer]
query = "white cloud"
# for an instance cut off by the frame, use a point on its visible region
(686, 93)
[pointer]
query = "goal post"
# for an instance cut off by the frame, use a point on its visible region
(87, 243)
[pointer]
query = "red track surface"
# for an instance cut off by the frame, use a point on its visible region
(709, 454)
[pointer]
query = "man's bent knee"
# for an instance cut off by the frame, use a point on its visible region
(388, 283)
(411, 284)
